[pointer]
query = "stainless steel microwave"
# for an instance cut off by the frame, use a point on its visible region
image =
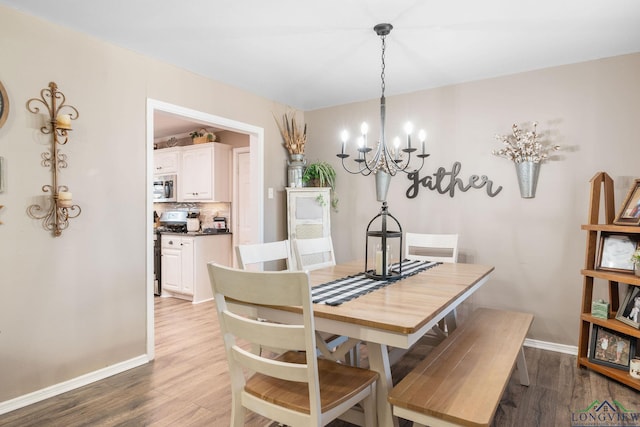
(165, 188)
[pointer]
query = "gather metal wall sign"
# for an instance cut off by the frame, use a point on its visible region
(444, 181)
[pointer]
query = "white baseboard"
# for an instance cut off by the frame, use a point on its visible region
(551, 346)
(56, 389)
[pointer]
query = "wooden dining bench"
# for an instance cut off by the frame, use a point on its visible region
(462, 380)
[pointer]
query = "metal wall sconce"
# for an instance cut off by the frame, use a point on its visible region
(61, 208)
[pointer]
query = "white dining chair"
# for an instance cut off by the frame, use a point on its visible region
(439, 248)
(312, 254)
(253, 256)
(431, 247)
(294, 388)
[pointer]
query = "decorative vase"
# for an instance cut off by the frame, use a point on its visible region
(383, 180)
(295, 170)
(636, 268)
(527, 178)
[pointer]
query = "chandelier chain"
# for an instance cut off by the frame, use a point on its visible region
(384, 46)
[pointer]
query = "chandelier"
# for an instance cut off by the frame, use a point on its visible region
(384, 162)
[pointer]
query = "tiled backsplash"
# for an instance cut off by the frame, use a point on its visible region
(206, 210)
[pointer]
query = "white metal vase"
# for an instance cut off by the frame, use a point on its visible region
(527, 178)
(383, 180)
(295, 170)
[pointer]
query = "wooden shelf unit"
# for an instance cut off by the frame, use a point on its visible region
(602, 181)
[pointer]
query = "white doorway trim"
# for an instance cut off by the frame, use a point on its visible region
(256, 144)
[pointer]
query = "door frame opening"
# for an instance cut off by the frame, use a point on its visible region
(256, 146)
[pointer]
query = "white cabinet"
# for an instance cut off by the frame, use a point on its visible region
(205, 173)
(184, 264)
(166, 161)
(308, 213)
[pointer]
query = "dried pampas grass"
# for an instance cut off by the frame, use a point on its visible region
(294, 138)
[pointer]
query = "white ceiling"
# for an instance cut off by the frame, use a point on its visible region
(313, 54)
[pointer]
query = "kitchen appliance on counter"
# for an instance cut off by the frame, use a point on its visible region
(165, 188)
(220, 223)
(193, 222)
(174, 221)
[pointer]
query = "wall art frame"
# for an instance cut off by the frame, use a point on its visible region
(629, 311)
(615, 251)
(629, 213)
(611, 348)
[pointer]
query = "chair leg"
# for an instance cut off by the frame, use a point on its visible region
(238, 413)
(369, 407)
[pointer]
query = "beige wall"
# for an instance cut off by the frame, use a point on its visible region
(536, 245)
(74, 304)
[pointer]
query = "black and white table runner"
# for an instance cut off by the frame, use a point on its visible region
(347, 288)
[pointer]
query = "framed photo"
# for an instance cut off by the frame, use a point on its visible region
(615, 252)
(629, 311)
(630, 212)
(611, 348)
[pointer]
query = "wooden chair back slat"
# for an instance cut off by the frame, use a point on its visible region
(431, 247)
(312, 254)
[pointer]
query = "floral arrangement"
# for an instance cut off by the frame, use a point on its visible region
(635, 258)
(294, 137)
(523, 146)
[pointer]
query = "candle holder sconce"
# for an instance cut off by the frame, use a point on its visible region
(55, 217)
(381, 245)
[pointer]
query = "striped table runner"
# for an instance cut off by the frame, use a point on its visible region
(347, 288)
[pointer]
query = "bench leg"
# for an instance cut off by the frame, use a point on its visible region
(522, 368)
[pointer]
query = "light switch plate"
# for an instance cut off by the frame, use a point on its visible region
(270, 193)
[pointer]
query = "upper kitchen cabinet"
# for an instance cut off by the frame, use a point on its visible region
(166, 161)
(205, 173)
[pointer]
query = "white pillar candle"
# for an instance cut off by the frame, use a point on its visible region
(63, 121)
(64, 195)
(379, 262)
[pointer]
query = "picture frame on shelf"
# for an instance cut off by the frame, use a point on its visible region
(611, 348)
(615, 251)
(630, 211)
(629, 311)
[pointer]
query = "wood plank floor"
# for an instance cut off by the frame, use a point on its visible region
(188, 384)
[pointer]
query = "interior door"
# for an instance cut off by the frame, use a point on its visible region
(244, 209)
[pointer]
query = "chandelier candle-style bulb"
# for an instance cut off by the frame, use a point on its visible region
(344, 136)
(408, 128)
(422, 136)
(361, 149)
(364, 130)
(396, 148)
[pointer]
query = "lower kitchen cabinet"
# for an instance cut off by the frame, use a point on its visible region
(184, 264)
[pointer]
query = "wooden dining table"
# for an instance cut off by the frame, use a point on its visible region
(395, 316)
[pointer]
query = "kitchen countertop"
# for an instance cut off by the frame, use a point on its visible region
(195, 233)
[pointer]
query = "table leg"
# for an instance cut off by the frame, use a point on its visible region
(379, 362)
